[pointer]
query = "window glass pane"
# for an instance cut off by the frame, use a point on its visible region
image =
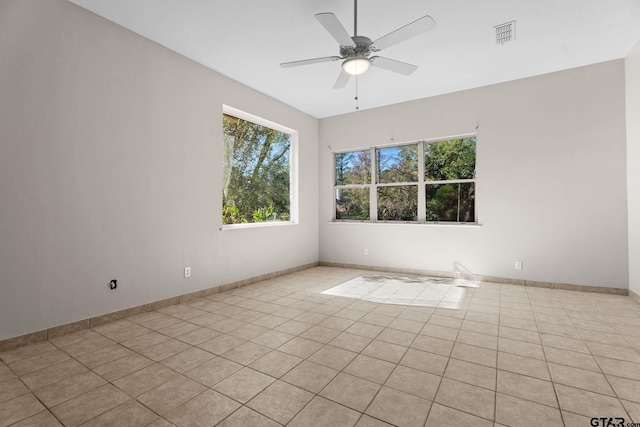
(397, 164)
(256, 173)
(447, 160)
(451, 202)
(398, 203)
(352, 203)
(353, 167)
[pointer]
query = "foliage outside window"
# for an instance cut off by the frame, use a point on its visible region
(420, 182)
(256, 172)
(353, 176)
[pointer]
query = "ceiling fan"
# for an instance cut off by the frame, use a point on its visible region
(356, 50)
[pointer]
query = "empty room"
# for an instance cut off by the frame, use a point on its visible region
(334, 213)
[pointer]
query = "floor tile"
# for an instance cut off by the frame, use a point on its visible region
(213, 371)
(370, 369)
(571, 358)
(275, 363)
(188, 359)
(26, 352)
(198, 336)
(467, 398)
(310, 376)
(103, 356)
(19, 408)
(122, 367)
(221, 344)
(398, 408)
(280, 401)
(11, 388)
(166, 397)
(149, 339)
(587, 403)
(367, 421)
(43, 360)
(424, 361)
(385, 351)
(321, 412)
(246, 353)
(523, 365)
(365, 329)
(44, 418)
(519, 335)
(580, 378)
(437, 331)
(619, 368)
(206, 409)
(164, 350)
(293, 327)
(479, 340)
(471, 373)
(244, 417)
(471, 353)
(53, 374)
(145, 379)
(273, 339)
(244, 384)
(633, 409)
(351, 342)
(89, 405)
(413, 381)
(332, 357)
(444, 416)
(298, 355)
(68, 388)
(320, 334)
(300, 347)
(517, 412)
(433, 345)
(134, 413)
(528, 388)
(625, 388)
(353, 392)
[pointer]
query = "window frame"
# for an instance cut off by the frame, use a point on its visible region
(421, 183)
(293, 168)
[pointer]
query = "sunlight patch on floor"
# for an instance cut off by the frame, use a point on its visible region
(416, 291)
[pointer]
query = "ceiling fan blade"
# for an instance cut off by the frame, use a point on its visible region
(393, 65)
(342, 81)
(309, 61)
(413, 29)
(334, 27)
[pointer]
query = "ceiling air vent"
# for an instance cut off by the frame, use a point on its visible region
(505, 32)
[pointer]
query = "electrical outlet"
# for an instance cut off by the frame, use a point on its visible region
(518, 265)
(187, 272)
(365, 251)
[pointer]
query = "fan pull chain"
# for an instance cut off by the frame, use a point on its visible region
(356, 98)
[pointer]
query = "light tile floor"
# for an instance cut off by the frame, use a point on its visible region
(282, 352)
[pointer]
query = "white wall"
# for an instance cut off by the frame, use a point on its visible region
(551, 191)
(110, 154)
(632, 72)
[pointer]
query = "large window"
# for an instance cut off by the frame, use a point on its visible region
(257, 170)
(422, 182)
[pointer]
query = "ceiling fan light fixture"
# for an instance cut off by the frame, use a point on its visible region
(356, 66)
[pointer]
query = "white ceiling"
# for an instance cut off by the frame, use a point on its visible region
(246, 40)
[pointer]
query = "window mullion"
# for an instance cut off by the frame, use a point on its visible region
(422, 202)
(373, 192)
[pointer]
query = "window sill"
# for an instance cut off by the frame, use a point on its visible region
(424, 224)
(266, 224)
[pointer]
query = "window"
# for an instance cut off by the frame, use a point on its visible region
(424, 182)
(257, 170)
(353, 176)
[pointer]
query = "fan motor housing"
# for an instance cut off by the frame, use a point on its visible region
(361, 49)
